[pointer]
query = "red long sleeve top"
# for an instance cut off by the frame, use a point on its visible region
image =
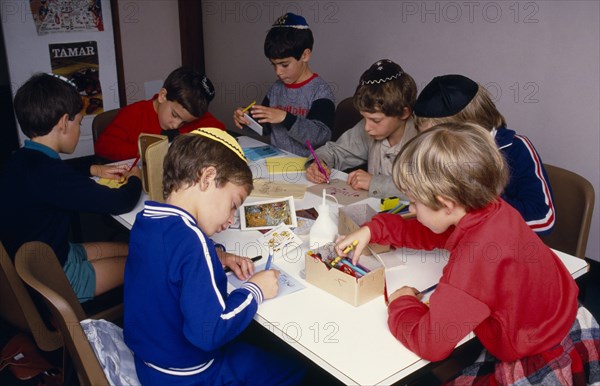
(500, 281)
(119, 141)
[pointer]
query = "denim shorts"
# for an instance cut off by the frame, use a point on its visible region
(80, 273)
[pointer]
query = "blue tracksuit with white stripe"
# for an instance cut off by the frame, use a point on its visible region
(179, 321)
(528, 189)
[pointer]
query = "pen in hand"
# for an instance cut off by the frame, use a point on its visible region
(321, 169)
(248, 107)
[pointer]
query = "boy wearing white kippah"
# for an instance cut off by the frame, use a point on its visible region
(385, 97)
(179, 320)
(299, 106)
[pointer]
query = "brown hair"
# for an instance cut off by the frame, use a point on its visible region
(480, 111)
(389, 97)
(190, 154)
(459, 162)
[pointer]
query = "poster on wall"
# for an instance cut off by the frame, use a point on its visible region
(79, 63)
(66, 15)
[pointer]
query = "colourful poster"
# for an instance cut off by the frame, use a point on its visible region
(66, 15)
(79, 63)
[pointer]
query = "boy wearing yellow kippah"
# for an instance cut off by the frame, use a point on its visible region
(179, 320)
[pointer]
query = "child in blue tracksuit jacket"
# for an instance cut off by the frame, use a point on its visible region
(456, 98)
(179, 320)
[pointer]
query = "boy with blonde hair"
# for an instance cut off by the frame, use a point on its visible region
(501, 282)
(456, 98)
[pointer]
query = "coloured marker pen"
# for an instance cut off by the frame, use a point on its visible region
(249, 106)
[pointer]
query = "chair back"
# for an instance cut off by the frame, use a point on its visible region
(102, 120)
(37, 265)
(574, 205)
(346, 116)
(18, 308)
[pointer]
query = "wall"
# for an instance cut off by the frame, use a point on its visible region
(151, 44)
(539, 59)
(27, 53)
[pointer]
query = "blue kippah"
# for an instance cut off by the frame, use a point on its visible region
(445, 96)
(291, 20)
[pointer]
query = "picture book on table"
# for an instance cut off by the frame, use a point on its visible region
(268, 214)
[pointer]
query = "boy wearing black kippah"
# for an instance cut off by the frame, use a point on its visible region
(180, 106)
(456, 98)
(385, 97)
(299, 106)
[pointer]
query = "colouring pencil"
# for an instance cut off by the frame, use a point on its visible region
(317, 161)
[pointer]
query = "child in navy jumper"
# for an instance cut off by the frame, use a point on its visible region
(456, 98)
(299, 106)
(179, 320)
(41, 193)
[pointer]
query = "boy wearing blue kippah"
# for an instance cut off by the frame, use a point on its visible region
(299, 106)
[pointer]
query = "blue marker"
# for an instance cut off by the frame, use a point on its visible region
(428, 290)
(269, 260)
(354, 267)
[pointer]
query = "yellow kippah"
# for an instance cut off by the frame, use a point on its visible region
(223, 137)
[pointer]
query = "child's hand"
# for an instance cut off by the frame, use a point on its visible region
(113, 172)
(410, 291)
(359, 180)
(238, 118)
(362, 235)
(263, 114)
(267, 282)
(313, 174)
(241, 266)
(135, 171)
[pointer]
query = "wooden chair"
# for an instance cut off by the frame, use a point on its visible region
(346, 116)
(102, 120)
(37, 265)
(574, 205)
(18, 308)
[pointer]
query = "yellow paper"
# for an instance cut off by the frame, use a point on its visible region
(114, 184)
(277, 165)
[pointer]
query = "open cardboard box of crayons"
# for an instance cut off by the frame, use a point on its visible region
(351, 217)
(350, 287)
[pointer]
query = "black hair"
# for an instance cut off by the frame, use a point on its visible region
(192, 90)
(284, 42)
(42, 101)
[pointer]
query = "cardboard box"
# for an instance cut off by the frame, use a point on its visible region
(355, 291)
(351, 217)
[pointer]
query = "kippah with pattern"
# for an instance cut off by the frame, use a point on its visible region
(380, 72)
(291, 20)
(223, 137)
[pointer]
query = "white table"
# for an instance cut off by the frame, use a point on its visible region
(352, 343)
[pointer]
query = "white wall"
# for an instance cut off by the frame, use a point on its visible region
(540, 59)
(151, 44)
(27, 53)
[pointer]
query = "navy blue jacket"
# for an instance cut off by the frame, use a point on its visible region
(41, 193)
(528, 189)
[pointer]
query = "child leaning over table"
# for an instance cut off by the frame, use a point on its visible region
(41, 193)
(501, 281)
(299, 106)
(456, 98)
(179, 320)
(385, 97)
(180, 106)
